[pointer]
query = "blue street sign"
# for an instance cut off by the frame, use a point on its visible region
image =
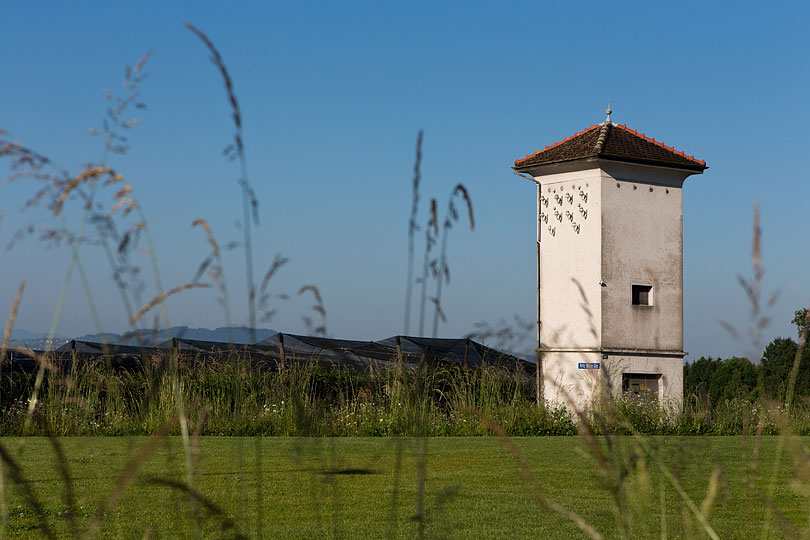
(589, 365)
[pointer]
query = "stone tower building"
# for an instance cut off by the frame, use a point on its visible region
(610, 264)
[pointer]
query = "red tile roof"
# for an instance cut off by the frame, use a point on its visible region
(612, 142)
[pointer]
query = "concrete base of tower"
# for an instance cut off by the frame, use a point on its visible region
(572, 379)
(577, 379)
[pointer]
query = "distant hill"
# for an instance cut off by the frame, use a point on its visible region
(33, 340)
(236, 334)
(20, 334)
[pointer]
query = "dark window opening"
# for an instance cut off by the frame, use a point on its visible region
(641, 385)
(642, 295)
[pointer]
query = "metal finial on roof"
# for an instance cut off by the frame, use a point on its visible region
(608, 111)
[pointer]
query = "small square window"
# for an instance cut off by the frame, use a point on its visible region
(642, 295)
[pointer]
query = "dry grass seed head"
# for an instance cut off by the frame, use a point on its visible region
(21, 157)
(142, 62)
(159, 298)
(216, 58)
(124, 243)
(434, 217)
(437, 304)
(126, 203)
(202, 268)
(124, 191)
(88, 175)
(318, 308)
(278, 262)
(417, 178)
(211, 240)
(753, 291)
(15, 306)
(461, 190)
(314, 290)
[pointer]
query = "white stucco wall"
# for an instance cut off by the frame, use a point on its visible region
(570, 294)
(570, 260)
(642, 243)
(565, 384)
(630, 236)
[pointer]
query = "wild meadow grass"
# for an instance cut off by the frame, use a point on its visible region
(237, 396)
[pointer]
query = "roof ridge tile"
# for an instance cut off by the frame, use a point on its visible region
(603, 135)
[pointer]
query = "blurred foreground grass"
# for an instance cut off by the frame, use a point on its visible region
(345, 487)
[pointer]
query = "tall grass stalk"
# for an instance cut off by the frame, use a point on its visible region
(249, 201)
(114, 143)
(428, 265)
(412, 229)
(443, 266)
(12, 316)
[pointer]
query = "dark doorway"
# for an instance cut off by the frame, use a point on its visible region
(641, 385)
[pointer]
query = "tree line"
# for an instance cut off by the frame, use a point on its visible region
(715, 380)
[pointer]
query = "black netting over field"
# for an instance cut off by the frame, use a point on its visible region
(283, 348)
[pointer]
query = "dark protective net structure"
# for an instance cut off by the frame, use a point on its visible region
(408, 351)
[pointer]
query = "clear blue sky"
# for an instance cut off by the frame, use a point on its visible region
(333, 95)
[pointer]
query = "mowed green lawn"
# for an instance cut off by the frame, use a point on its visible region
(358, 488)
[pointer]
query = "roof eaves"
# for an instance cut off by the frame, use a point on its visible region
(653, 163)
(589, 157)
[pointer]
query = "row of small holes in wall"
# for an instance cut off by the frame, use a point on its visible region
(560, 199)
(573, 188)
(618, 185)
